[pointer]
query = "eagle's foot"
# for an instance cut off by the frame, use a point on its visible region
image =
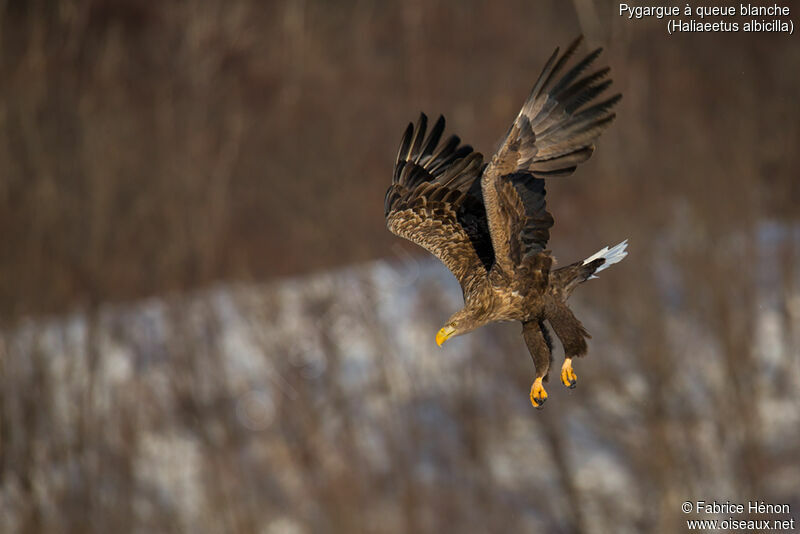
(568, 376)
(538, 394)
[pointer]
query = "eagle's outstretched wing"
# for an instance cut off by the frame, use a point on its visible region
(435, 201)
(553, 133)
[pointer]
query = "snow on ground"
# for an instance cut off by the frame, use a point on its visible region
(379, 320)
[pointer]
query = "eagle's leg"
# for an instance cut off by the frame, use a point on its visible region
(573, 337)
(568, 376)
(540, 346)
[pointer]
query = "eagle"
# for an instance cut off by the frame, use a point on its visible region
(488, 222)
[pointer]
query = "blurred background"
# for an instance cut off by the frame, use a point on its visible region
(206, 327)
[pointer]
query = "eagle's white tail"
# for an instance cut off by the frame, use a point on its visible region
(612, 255)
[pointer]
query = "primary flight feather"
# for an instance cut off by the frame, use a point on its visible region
(488, 222)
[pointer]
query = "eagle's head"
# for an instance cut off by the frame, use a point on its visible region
(461, 322)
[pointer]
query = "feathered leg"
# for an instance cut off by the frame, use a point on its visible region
(540, 346)
(573, 337)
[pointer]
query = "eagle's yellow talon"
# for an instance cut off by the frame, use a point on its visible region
(568, 376)
(538, 394)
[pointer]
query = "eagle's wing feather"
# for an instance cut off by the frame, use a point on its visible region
(551, 136)
(435, 200)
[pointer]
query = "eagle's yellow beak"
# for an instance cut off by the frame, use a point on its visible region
(444, 334)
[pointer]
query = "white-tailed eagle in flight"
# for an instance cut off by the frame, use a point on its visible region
(488, 222)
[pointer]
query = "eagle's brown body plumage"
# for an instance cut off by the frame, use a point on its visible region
(488, 223)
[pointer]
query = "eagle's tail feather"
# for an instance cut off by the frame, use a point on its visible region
(610, 256)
